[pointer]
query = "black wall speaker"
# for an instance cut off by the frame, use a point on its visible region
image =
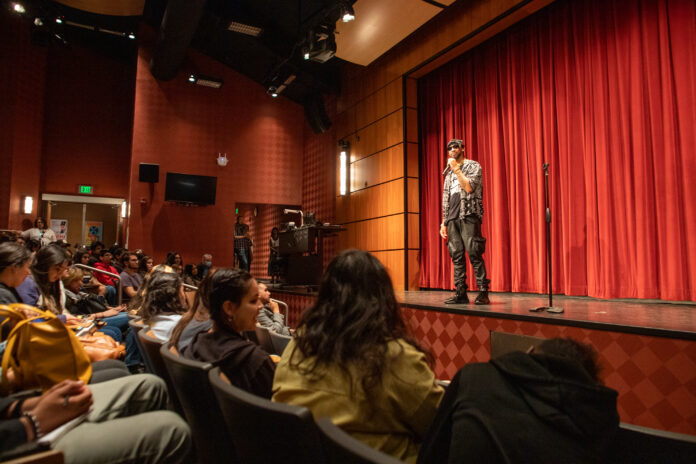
(148, 172)
(315, 112)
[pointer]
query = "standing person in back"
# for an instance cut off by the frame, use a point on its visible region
(242, 244)
(40, 232)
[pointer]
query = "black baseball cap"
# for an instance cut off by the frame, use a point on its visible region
(455, 142)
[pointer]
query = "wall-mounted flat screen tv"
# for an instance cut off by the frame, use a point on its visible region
(187, 188)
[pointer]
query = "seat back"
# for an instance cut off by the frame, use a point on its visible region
(636, 444)
(264, 338)
(151, 347)
(279, 341)
(503, 343)
(136, 325)
(190, 379)
(265, 432)
(341, 447)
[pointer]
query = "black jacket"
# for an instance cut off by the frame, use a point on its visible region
(522, 408)
(245, 364)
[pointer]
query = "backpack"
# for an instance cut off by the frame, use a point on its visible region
(41, 351)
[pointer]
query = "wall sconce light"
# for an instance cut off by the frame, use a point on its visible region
(222, 159)
(124, 209)
(343, 173)
(27, 204)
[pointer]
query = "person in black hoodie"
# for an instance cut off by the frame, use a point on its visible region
(234, 304)
(536, 407)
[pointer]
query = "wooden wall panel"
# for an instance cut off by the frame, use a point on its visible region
(380, 200)
(412, 125)
(379, 234)
(413, 195)
(394, 261)
(378, 168)
(414, 231)
(411, 92)
(412, 159)
(413, 269)
(384, 133)
(384, 101)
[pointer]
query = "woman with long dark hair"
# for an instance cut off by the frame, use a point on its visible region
(197, 318)
(234, 303)
(43, 288)
(163, 303)
(15, 260)
(354, 361)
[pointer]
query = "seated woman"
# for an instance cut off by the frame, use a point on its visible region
(353, 361)
(44, 288)
(197, 318)
(125, 421)
(164, 302)
(234, 303)
(90, 283)
(78, 302)
(15, 260)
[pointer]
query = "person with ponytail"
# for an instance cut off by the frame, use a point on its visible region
(234, 304)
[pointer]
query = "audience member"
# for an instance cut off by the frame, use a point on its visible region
(77, 302)
(125, 421)
(33, 245)
(269, 316)
(131, 279)
(234, 303)
(197, 318)
(15, 262)
(542, 406)
(205, 265)
(191, 275)
(174, 258)
(116, 254)
(354, 362)
(89, 283)
(163, 303)
(40, 232)
(146, 263)
(110, 282)
(95, 250)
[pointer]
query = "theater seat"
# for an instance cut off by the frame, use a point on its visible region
(190, 379)
(264, 338)
(639, 445)
(151, 346)
(341, 447)
(279, 342)
(265, 432)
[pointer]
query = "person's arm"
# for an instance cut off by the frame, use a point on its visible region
(464, 182)
(129, 291)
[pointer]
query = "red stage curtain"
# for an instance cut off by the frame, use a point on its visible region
(605, 91)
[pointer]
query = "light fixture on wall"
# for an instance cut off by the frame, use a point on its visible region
(124, 209)
(27, 204)
(347, 13)
(343, 173)
(222, 159)
(205, 81)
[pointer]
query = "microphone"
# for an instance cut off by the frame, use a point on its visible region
(446, 171)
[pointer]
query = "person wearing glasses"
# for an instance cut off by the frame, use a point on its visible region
(462, 214)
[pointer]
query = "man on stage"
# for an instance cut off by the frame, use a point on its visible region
(462, 214)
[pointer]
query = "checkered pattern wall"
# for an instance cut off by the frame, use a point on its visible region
(655, 376)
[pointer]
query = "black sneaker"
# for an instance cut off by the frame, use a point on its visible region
(482, 298)
(458, 298)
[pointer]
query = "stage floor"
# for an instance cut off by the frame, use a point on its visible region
(645, 317)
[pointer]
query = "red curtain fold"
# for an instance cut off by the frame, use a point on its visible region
(606, 93)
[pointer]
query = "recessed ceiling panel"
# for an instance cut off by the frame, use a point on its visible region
(379, 25)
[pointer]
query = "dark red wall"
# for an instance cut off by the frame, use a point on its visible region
(182, 127)
(88, 122)
(21, 112)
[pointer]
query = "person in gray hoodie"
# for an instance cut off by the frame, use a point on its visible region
(534, 407)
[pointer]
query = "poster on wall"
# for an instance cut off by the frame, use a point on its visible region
(60, 228)
(93, 231)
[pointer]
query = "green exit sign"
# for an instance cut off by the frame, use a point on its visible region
(86, 189)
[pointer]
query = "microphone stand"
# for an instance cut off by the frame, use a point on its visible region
(550, 308)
